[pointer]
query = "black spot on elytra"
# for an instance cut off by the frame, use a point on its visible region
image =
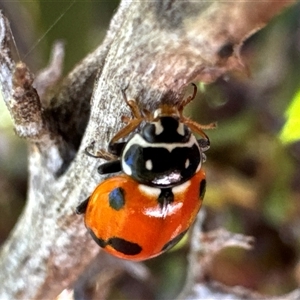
(174, 241)
(99, 241)
(119, 244)
(202, 188)
(124, 246)
(116, 198)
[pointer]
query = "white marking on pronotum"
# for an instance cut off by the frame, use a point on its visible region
(187, 163)
(157, 113)
(200, 164)
(137, 139)
(158, 127)
(180, 129)
(149, 165)
(127, 170)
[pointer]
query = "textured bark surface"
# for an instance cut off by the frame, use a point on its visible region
(154, 48)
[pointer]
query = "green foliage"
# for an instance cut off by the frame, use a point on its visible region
(291, 129)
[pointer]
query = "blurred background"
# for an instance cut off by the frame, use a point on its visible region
(253, 166)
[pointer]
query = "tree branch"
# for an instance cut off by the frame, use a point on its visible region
(154, 48)
(204, 248)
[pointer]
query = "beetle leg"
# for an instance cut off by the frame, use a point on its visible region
(100, 153)
(110, 167)
(133, 106)
(198, 128)
(116, 148)
(126, 119)
(188, 99)
(132, 125)
(81, 208)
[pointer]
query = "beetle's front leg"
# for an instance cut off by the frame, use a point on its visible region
(112, 166)
(116, 148)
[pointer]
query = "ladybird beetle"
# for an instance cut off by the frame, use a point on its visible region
(164, 152)
(137, 222)
(147, 210)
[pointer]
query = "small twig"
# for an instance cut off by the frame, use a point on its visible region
(6, 62)
(215, 241)
(24, 105)
(204, 247)
(49, 76)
